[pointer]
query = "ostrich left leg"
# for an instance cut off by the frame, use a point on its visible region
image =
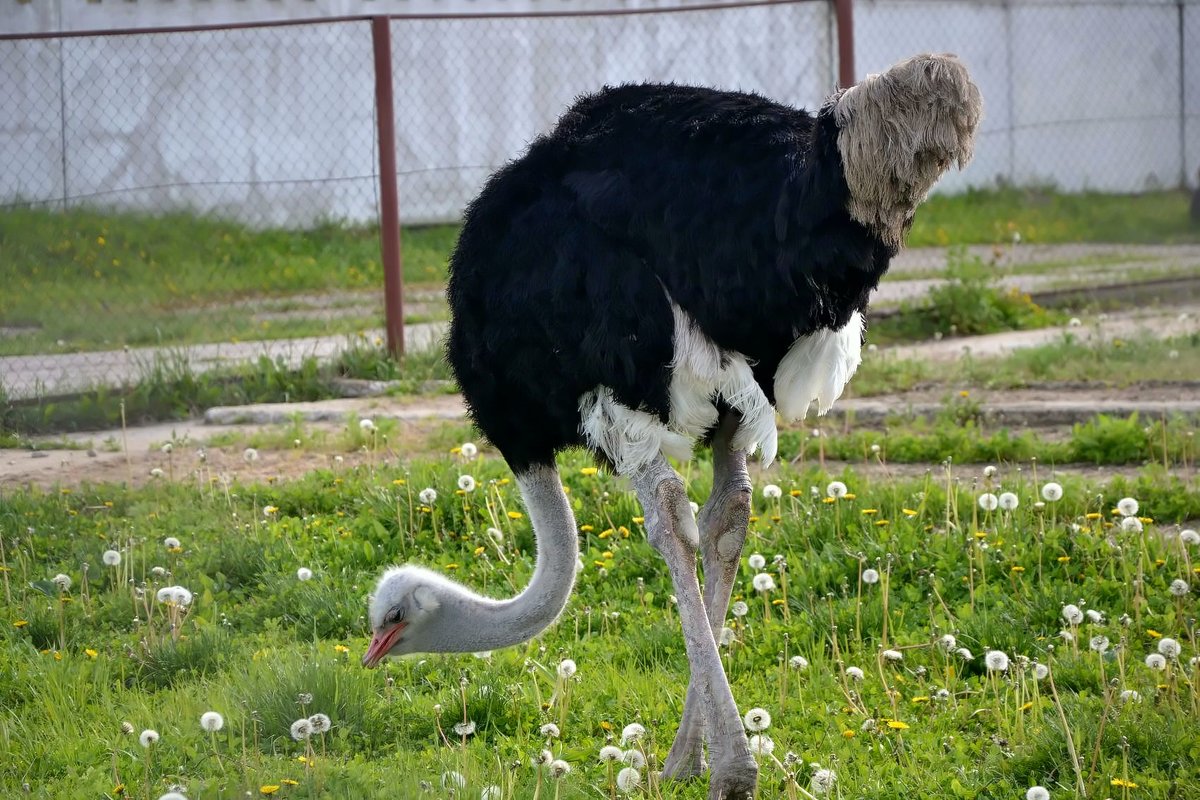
(723, 523)
(672, 531)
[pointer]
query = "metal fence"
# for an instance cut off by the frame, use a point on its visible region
(217, 191)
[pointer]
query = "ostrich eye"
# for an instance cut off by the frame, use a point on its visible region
(394, 615)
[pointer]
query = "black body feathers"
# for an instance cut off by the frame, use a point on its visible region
(727, 204)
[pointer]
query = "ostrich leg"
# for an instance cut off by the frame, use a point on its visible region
(723, 523)
(672, 531)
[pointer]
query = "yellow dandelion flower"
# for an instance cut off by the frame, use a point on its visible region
(515, 515)
(849, 496)
(776, 518)
(270, 788)
(588, 471)
(1016, 568)
(455, 450)
(57, 656)
(623, 531)
(1122, 782)
(119, 789)
(1027, 706)
(828, 500)
(605, 725)
(599, 564)
(587, 528)
(90, 653)
(753, 518)
(638, 520)
(504, 481)
(606, 554)
(289, 782)
(882, 523)
(1158, 562)
(479, 551)
(1146, 520)
(847, 734)
(964, 393)
(21, 623)
(302, 759)
(604, 534)
(778, 601)
(341, 648)
(980, 534)
(452, 566)
(908, 512)
(566, 489)
(1153, 634)
(870, 511)
(1063, 559)
(399, 482)
(921, 699)
(1093, 515)
(794, 493)
(897, 725)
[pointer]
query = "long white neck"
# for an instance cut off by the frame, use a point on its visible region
(470, 623)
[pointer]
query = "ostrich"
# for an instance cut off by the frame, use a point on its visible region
(672, 265)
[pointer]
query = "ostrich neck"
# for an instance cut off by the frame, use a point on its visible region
(473, 623)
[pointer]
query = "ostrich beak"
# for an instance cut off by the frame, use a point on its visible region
(381, 643)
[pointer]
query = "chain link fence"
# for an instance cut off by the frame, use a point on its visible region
(215, 191)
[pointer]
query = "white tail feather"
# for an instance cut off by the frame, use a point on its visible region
(817, 368)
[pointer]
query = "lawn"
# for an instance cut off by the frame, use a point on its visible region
(90, 279)
(920, 640)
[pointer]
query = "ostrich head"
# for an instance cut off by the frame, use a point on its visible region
(898, 131)
(404, 612)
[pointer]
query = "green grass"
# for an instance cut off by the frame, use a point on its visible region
(256, 639)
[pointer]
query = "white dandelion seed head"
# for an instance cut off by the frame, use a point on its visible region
(947, 642)
(1052, 492)
(761, 744)
(172, 796)
(1037, 793)
(798, 662)
(990, 471)
(875, 449)
(62, 581)
(893, 655)
(270, 511)
(628, 780)
(772, 492)
(156, 472)
(301, 729)
(469, 450)
(1156, 661)
(610, 754)
(111, 558)
(1099, 643)
(559, 768)
(492, 792)
(496, 534)
(632, 732)
(428, 496)
(1169, 647)
(634, 758)
(1008, 501)
(1095, 617)
(868, 724)
(1041, 671)
(965, 654)
(1131, 525)
(942, 694)
(163, 595)
(304, 574)
(836, 489)
(549, 730)
(158, 572)
(181, 596)
(854, 673)
(870, 576)
(996, 660)
(566, 668)
(148, 737)
(127, 728)
(1189, 537)
(822, 781)
(366, 425)
(727, 637)
(249, 455)
(1072, 614)
(464, 728)
(988, 501)
(452, 779)
(739, 608)
(466, 483)
(321, 723)
(1127, 506)
(171, 543)
(763, 582)
(1130, 696)
(544, 757)
(757, 719)
(211, 721)
(756, 561)
(1179, 587)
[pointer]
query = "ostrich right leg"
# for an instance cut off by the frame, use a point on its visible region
(672, 530)
(723, 523)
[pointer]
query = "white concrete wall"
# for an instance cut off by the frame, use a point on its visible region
(276, 125)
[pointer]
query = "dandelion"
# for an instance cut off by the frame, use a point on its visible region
(111, 558)
(1037, 793)
(127, 728)
(632, 732)
(1189, 537)
(762, 745)
(211, 721)
(1130, 696)
(628, 780)
(1099, 643)
(566, 668)
(836, 490)
(1131, 525)
(1072, 614)
(870, 576)
(428, 496)
(301, 729)
(156, 472)
(822, 782)
(727, 637)
(1094, 616)
(854, 673)
(249, 455)
(756, 561)
(173, 796)
(466, 483)
(1179, 587)
(947, 643)
(1041, 671)
(996, 660)
(1169, 647)
(1008, 501)
(1052, 492)
(559, 768)
(989, 471)
(148, 737)
(1127, 506)
(490, 792)
(739, 608)
(988, 501)
(798, 662)
(549, 730)
(304, 574)
(453, 780)
(763, 582)
(270, 511)
(964, 654)
(772, 492)
(634, 758)
(757, 719)
(63, 582)
(171, 543)
(893, 655)
(320, 723)
(1156, 661)
(610, 754)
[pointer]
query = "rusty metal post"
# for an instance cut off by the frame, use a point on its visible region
(389, 195)
(844, 9)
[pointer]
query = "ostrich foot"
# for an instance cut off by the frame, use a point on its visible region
(686, 759)
(734, 782)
